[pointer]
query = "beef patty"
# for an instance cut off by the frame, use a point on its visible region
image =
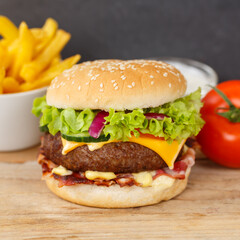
(117, 157)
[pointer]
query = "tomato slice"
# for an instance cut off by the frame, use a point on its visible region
(150, 136)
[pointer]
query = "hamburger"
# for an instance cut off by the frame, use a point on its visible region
(115, 133)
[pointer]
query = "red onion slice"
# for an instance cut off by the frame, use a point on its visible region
(158, 116)
(98, 124)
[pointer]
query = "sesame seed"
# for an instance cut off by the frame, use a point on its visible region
(96, 100)
(151, 76)
(87, 83)
(74, 67)
(129, 86)
(113, 81)
(93, 78)
(165, 74)
(170, 85)
(133, 67)
(115, 84)
(158, 71)
(175, 74)
(79, 88)
(133, 84)
(101, 85)
(73, 82)
(67, 70)
(116, 88)
(65, 74)
(152, 82)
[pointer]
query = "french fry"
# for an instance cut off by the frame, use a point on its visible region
(10, 85)
(12, 50)
(38, 34)
(46, 77)
(24, 52)
(31, 58)
(2, 75)
(50, 27)
(56, 60)
(32, 69)
(7, 29)
(4, 57)
(5, 43)
(49, 30)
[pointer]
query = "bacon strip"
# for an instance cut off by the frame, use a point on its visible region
(178, 172)
(180, 167)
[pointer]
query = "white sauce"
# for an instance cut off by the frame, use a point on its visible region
(195, 77)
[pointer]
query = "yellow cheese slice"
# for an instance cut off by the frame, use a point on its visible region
(91, 175)
(144, 178)
(62, 171)
(168, 152)
(68, 146)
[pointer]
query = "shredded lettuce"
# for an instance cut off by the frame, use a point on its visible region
(184, 119)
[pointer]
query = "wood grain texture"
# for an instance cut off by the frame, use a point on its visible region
(19, 156)
(208, 209)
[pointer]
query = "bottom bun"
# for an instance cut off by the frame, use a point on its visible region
(116, 196)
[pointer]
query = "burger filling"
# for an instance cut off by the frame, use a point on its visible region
(117, 157)
(131, 147)
(164, 176)
(174, 121)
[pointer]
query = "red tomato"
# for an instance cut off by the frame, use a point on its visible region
(220, 138)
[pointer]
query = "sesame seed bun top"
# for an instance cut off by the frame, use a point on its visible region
(117, 84)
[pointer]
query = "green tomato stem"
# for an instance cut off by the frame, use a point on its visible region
(233, 113)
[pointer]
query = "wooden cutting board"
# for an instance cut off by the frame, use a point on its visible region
(208, 209)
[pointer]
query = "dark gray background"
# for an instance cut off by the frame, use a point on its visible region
(204, 30)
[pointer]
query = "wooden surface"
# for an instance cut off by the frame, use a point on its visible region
(208, 209)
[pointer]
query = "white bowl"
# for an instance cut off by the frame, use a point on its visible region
(19, 128)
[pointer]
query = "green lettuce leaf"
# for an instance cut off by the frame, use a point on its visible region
(184, 119)
(62, 120)
(121, 125)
